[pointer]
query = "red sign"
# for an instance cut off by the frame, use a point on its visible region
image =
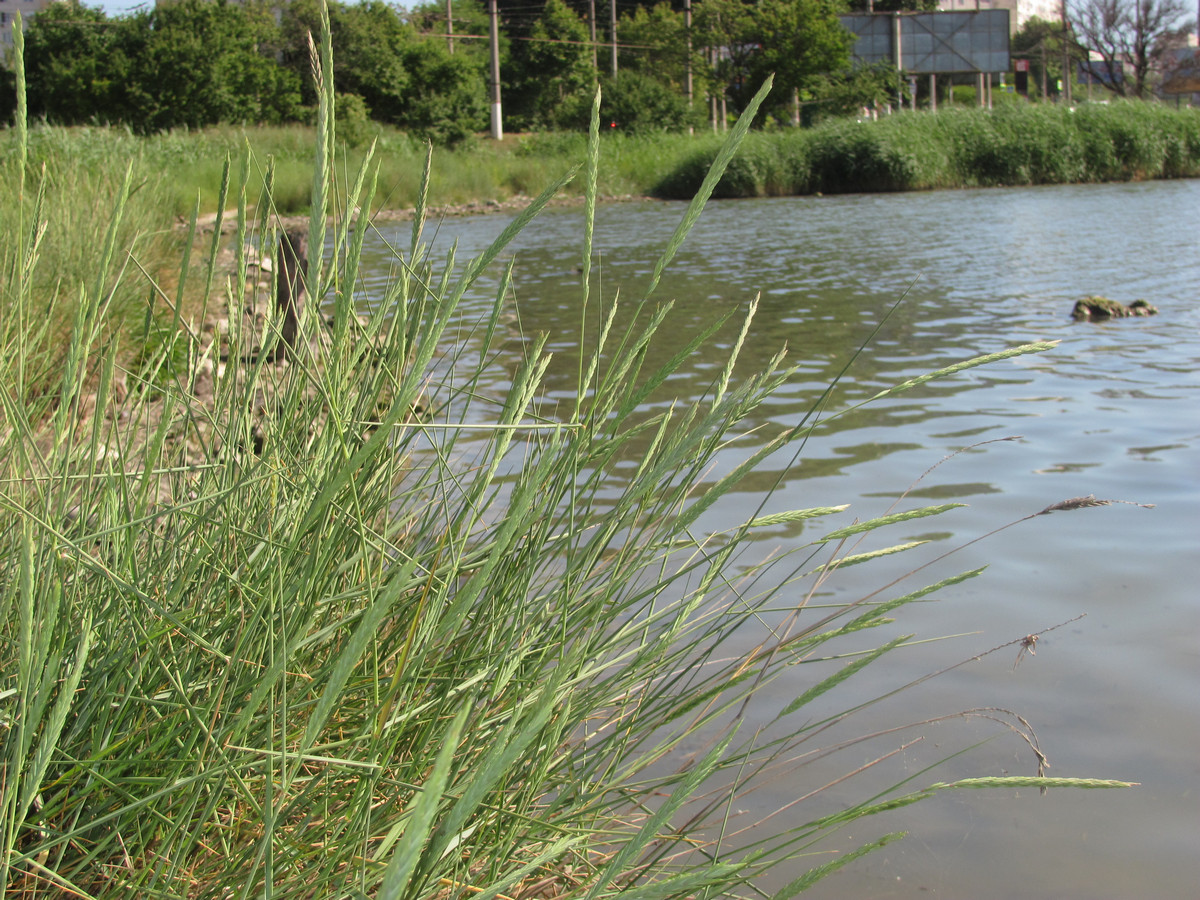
(1021, 65)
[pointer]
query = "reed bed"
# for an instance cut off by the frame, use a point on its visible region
(953, 148)
(1013, 145)
(179, 168)
(389, 636)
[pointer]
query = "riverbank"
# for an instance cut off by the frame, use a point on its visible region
(178, 176)
(953, 148)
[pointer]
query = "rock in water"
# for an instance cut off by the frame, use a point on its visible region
(1095, 308)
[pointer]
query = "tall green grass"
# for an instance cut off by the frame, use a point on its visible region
(957, 147)
(175, 168)
(353, 649)
(1012, 145)
(51, 185)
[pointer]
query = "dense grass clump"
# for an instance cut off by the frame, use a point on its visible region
(75, 173)
(336, 622)
(1012, 145)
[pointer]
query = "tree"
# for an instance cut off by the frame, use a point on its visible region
(655, 44)
(847, 91)
(186, 63)
(1041, 42)
(728, 29)
(368, 47)
(447, 101)
(887, 6)
(798, 40)
(1133, 33)
(201, 63)
(550, 74)
(69, 65)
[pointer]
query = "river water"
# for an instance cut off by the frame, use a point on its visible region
(1113, 411)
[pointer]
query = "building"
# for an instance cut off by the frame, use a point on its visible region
(8, 15)
(1022, 10)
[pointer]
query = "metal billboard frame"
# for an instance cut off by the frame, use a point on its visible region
(932, 43)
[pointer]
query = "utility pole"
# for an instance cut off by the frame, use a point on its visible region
(1066, 37)
(613, 25)
(449, 27)
(687, 24)
(497, 120)
(1045, 96)
(592, 32)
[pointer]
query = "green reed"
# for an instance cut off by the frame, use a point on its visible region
(357, 628)
(955, 147)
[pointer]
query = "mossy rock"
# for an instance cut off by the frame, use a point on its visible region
(1095, 308)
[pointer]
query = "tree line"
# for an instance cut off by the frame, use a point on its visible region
(194, 63)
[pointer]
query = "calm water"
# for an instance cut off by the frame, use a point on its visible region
(1113, 411)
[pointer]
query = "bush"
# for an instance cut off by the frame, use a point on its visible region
(1012, 145)
(352, 118)
(853, 156)
(446, 102)
(634, 103)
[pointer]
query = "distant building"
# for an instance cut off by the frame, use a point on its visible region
(1021, 10)
(8, 15)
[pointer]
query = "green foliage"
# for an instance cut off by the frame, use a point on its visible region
(760, 169)
(368, 43)
(75, 63)
(203, 65)
(853, 156)
(447, 101)
(845, 93)
(729, 31)
(634, 103)
(796, 40)
(1013, 145)
(405, 79)
(657, 37)
(549, 77)
(353, 119)
(801, 40)
(185, 63)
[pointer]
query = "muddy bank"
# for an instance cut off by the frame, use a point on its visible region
(206, 223)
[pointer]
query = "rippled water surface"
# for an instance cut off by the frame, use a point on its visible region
(1113, 411)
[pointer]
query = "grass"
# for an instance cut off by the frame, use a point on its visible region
(268, 631)
(1016, 144)
(1013, 145)
(183, 166)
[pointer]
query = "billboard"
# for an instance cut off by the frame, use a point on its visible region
(1096, 71)
(937, 43)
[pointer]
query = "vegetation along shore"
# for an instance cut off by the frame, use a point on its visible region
(953, 148)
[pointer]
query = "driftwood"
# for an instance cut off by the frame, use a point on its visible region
(291, 261)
